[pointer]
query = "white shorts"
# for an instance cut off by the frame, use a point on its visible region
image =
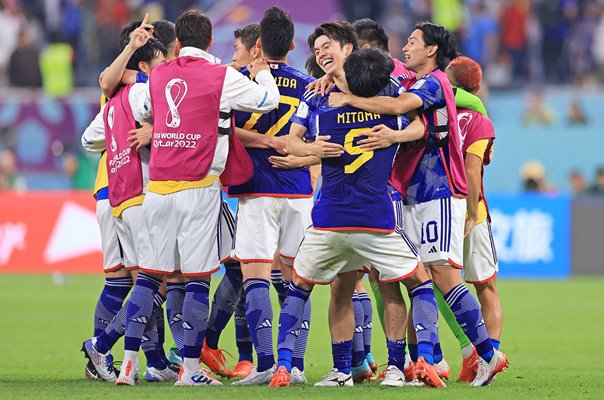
(183, 229)
(325, 254)
(265, 224)
(110, 245)
(226, 232)
(436, 229)
(479, 255)
(131, 229)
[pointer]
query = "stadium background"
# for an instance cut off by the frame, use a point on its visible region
(544, 70)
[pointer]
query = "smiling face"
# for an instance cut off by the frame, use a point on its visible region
(330, 55)
(416, 52)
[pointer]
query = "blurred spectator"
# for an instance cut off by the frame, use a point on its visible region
(358, 9)
(533, 177)
(577, 182)
(514, 39)
(480, 35)
(536, 111)
(9, 176)
(576, 116)
(81, 167)
(598, 185)
(24, 66)
(581, 40)
(12, 21)
(556, 18)
(56, 68)
(448, 13)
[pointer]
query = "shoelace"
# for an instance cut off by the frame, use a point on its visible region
(110, 363)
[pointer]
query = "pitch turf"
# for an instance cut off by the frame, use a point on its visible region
(553, 336)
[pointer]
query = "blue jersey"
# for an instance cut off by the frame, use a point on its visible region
(354, 193)
(430, 180)
(268, 180)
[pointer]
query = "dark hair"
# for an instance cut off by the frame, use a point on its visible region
(248, 35)
(276, 32)
(368, 71)
(146, 53)
(372, 33)
(437, 35)
(313, 68)
(194, 29)
(165, 32)
(126, 31)
(340, 31)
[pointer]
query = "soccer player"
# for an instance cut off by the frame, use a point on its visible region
(353, 222)
(480, 258)
(274, 206)
(246, 48)
(191, 98)
(431, 177)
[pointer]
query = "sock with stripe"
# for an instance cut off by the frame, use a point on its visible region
(139, 310)
(195, 320)
(278, 283)
(396, 352)
(290, 321)
(175, 297)
(425, 317)
(496, 343)
(110, 302)
(158, 314)
(302, 341)
(341, 352)
(467, 311)
(259, 315)
(150, 340)
(450, 319)
(379, 302)
(358, 346)
(224, 303)
(367, 320)
(242, 332)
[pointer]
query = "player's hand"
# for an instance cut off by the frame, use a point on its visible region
(142, 136)
(470, 222)
(279, 144)
(323, 149)
(379, 137)
(338, 100)
(141, 35)
(256, 66)
(286, 162)
(322, 85)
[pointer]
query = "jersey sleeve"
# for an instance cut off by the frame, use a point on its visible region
(478, 148)
(307, 105)
(429, 90)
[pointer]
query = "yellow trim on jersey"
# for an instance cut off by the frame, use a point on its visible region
(103, 100)
(481, 212)
(478, 148)
(293, 102)
(102, 176)
(168, 187)
(135, 201)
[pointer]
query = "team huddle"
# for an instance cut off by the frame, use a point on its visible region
(399, 150)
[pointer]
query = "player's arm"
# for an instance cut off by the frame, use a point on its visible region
(244, 94)
(381, 105)
(473, 166)
(93, 138)
(382, 136)
(319, 148)
(259, 141)
(289, 161)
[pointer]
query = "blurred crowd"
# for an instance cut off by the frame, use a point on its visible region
(534, 180)
(516, 41)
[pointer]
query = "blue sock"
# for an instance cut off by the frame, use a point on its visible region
(158, 314)
(438, 352)
(139, 310)
(396, 352)
(367, 320)
(495, 343)
(290, 321)
(175, 297)
(413, 351)
(242, 332)
(115, 330)
(425, 317)
(150, 340)
(300, 347)
(468, 315)
(110, 302)
(195, 316)
(358, 345)
(223, 305)
(259, 315)
(278, 283)
(341, 352)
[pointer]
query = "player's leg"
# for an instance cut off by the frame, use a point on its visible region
(365, 301)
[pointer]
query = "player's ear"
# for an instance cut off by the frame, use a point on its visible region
(366, 46)
(292, 46)
(348, 49)
(211, 42)
(259, 43)
(144, 67)
(177, 47)
(255, 51)
(432, 51)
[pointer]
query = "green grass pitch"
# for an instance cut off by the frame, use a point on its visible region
(553, 336)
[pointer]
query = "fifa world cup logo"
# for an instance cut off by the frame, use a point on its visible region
(180, 91)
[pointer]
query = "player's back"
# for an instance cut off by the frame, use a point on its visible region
(268, 180)
(354, 193)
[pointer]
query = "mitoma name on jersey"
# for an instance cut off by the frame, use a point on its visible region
(353, 117)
